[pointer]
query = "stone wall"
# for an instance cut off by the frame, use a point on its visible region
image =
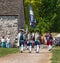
(9, 7)
(9, 24)
(11, 17)
(13, 7)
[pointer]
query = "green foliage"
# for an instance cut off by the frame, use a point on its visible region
(47, 14)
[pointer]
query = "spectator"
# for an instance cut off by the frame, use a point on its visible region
(3, 42)
(8, 42)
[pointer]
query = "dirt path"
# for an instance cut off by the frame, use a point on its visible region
(42, 57)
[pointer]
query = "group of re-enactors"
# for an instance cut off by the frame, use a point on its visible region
(27, 40)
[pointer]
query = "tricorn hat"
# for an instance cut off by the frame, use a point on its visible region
(21, 30)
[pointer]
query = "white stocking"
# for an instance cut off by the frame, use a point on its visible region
(37, 50)
(30, 48)
(49, 47)
(22, 47)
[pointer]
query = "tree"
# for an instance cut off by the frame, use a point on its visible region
(47, 14)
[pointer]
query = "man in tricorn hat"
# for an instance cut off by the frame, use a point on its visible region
(37, 41)
(21, 40)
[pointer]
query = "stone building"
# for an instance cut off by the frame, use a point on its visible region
(11, 17)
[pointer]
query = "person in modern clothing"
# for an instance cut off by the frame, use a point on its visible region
(8, 42)
(3, 42)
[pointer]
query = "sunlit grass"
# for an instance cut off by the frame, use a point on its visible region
(56, 55)
(6, 51)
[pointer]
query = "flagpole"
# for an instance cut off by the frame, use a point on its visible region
(26, 29)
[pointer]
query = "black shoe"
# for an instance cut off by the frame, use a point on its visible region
(37, 52)
(21, 51)
(50, 49)
(30, 52)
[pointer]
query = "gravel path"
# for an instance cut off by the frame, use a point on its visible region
(42, 57)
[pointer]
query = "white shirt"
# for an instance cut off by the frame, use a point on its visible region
(2, 40)
(33, 34)
(36, 36)
(18, 36)
(8, 39)
(29, 36)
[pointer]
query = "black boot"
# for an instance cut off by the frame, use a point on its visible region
(21, 51)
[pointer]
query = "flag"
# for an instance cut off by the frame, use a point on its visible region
(32, 19)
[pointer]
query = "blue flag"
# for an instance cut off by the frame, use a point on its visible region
(32, 19)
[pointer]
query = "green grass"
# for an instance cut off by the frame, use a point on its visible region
(6, 51)
(56, 55)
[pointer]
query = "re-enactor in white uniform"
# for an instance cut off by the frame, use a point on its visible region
(21, 40)
(37, 41)
(29, 42)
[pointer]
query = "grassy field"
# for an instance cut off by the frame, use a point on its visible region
(6, 51)
(56, 55)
